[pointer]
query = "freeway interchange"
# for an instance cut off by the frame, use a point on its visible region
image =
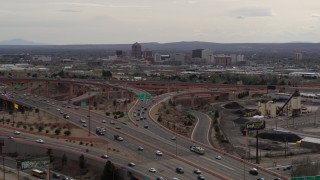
(150, 135)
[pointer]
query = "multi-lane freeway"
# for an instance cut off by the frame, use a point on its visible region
(148, 133)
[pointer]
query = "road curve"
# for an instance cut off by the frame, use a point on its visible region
(201, 130)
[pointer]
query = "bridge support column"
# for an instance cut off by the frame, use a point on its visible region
(71, 88)
(122, 94)
(30, 87)
(46, 89)
(192, 100)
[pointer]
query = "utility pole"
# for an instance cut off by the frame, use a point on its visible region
(89, 119)
(257, 147)
(4, 170)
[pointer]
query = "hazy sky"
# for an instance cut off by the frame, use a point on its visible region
(128, 21)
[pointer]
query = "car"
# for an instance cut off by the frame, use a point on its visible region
(58, 109)
(56, 175)
(218, 157)
(153, 170)
(68, 106)
(192, 148)
(118, 127)
(65, 178)
(104, 156)
(179, 170)
(112, 122)
(196, 171)
(159, 153)
(175, 178)
(103, 121)
(16, 132)
(119, 138)
(67, 117)
(173, 138)
(40, 141)
(140, 148)
(253, 171)
(82, 121)
(201, 177)
(61, 112)
(131, 164)
(160, 178)
(146, 126)
(76, 108)
(260, 178)
(84, 125)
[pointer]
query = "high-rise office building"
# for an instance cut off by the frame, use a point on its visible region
(298, 56)
(136, 50)
(197, 53)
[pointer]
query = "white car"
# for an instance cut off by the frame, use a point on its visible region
(158, 153)
(103, 121)
(219, 157)
(131, 164)
(104, 156)
(40, 141)
(17, 132)
(153, 170)
(58, 109)
(119, 138)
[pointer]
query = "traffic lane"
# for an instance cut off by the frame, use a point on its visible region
(202, 128)
(226, 166)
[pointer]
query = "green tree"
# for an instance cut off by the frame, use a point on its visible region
(50, 154)
(106, 74)
(57, 131)
(109, 171)
(82, 162)
(64, 160)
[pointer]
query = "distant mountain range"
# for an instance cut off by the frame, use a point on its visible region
(18, 41)
(20, 45)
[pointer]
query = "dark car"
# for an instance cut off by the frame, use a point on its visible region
(56, 175)
(179, 170)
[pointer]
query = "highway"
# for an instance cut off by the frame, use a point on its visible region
(159, 138)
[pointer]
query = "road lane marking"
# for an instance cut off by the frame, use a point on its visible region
(217, 163)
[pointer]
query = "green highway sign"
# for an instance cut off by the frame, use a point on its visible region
(17, 86)
(148, 96)
(144, 96)
(298, 178)
(83, 103)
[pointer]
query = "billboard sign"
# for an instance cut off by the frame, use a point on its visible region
(256, 125)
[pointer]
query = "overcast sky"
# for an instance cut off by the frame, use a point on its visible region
(129, 21)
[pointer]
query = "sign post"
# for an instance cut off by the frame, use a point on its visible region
(256, 125)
